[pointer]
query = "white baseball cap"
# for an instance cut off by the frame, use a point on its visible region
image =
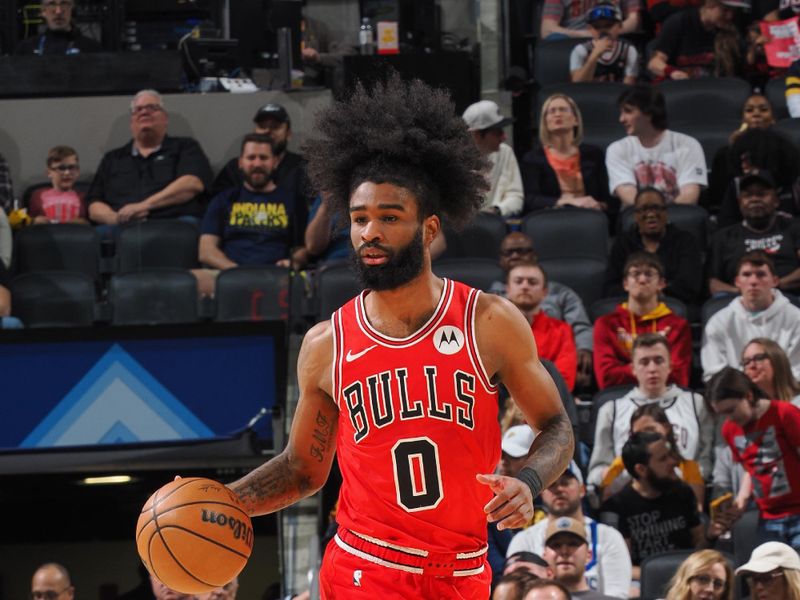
(484, 115)
(770, 556)
(517, 440)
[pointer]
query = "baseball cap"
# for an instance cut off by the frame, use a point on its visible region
(271, 111)
(484, 115)
(770, 556)
(759, 175)
(517, 440)
(565, 525)
(736, 3)
(605, 11)
(574, 470)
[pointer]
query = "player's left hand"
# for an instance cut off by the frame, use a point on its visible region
(512, 505)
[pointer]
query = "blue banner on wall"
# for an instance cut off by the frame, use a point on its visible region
(136, 385)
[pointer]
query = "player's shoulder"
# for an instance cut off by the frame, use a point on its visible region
(317, 344)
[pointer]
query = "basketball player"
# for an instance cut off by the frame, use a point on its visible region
(402, 381)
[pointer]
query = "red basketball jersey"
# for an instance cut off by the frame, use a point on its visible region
(417, 422)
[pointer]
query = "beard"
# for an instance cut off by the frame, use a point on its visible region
(261, 182)
(278, 148)
(402, 265)
(661, 484)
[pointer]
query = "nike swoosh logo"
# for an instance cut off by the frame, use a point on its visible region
(351, 357)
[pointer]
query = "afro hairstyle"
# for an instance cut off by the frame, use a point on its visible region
(403, 133)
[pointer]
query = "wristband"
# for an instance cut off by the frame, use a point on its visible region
(530, 477)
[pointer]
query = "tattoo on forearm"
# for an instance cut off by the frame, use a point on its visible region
(321, 437)
(271, 487)
(552, 449)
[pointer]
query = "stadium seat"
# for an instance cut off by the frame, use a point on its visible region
(712, 136)
(689, 217)
(479, 273)
(790, 128)
(568, 233)
(596, 101)
(600, 398)
(335, 285)
(713, 305)
(480, 238)
(551, 60)
(153, 297)
(156, 244)
(656, 571)
(253, 294)
(702, 101)
(65, 247)
(53, 299)
(584, 275)
(776, 94)
(745, 536)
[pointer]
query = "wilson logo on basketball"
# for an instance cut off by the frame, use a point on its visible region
(240, 529)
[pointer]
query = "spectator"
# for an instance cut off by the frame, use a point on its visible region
(152, 176)
(643, 312)
(61, 36)
(773, 571)
(699, 42)
(567, 18)
(560, 303)
(652, 155)
(546, 589)
(606, 57)
(511, 586)
(764, 436)
(567, 552)
(651, 417)
(6, 189)
(561, 170)
(704, 575)
(760, 311)
(6, 240)
(6, 320)
(655, 512)
(765, 364)
(327, 236)
(290, 168)
(51, 581)
(486, 124)
(661, 10)
(793, 90)
(258, 223)
(678, 250)
(758, 149)
(526, 288)
(527, 562)
(61, 203)
(762, 228)
(225, 592)
(162, 592)
(609, 572)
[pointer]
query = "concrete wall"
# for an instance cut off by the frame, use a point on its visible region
(94, 125)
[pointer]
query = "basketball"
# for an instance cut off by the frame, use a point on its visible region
(194, 535)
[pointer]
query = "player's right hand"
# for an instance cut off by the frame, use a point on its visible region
(512, 505)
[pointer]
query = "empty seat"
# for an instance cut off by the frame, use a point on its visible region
(568, 233)
(253, 294)
(157, 244)
(584, 275)
(336, 284)
(65, 247)
(153, 297)
(701, 101)
(53, 299)
(790, 128)
(551, 60)
(776, 94)
(480, 238)
(479, 273)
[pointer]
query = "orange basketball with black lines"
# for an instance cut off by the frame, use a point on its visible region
(194, 535)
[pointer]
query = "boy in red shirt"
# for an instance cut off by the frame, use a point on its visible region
(643, 312)
(526, 288)
(60, 203)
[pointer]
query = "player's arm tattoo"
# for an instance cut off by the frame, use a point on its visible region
(552, 449)
(321, 439)
(272, 486)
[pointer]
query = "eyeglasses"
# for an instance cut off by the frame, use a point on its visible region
(65, 168)
(513, 251)
(62, 4)
(704, 580)
(47, 595)
(764, 578)
(649, 274)
(755, 358)
(136, 110)
(656, 208)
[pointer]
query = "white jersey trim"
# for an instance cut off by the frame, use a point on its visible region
(470, 309)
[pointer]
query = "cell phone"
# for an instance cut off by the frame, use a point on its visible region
(721, 504)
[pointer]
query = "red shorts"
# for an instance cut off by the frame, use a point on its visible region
(345, 575)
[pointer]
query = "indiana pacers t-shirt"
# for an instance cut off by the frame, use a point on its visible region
(255, 228)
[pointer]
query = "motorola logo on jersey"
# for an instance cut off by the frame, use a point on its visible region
(448, 339)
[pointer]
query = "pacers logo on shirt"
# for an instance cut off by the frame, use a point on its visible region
(448, 339)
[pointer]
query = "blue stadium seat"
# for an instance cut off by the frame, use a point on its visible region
(551, 60)
(716, 100)
(568, 233)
